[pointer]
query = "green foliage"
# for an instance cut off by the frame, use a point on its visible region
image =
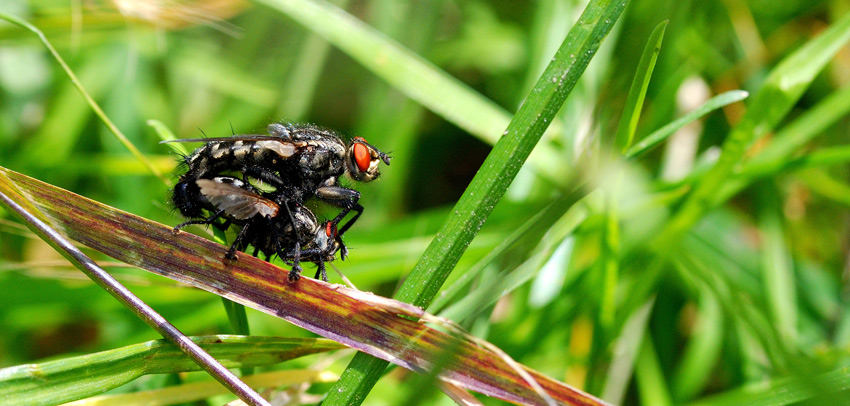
(704, 266)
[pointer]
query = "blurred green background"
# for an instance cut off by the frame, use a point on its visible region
(756, 292)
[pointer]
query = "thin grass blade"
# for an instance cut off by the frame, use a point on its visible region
(637, 93)
(404, 70)
(777, 268)
(702, 351)
(796, 134)
(658, 136)
(198, 391)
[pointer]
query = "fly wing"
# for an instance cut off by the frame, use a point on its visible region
(239, 203)
(234, 138)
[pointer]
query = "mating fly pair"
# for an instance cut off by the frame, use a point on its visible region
(295, 162)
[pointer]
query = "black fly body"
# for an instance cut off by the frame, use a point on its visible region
(294, 234)
(299, 161)
(295, 162)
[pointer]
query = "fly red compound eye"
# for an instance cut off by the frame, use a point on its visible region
(329, 229)
(362, 157)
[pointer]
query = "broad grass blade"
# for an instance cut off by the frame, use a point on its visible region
(69, 379)
(360, 320)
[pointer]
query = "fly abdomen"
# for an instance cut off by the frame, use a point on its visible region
(187, 199)
(241, 156)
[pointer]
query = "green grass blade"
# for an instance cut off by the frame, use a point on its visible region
(820, 182)
(658, 136)
(824, 157)
(778, 94)
(777, 155)
(626, 349)
(702, 351)
(106, 121)
(650, 376)
(637, 93)
(611, 241)
(776, 266)
(378, 326)
(165, 134)
(506, 158)
(69, 379)
(238, 318)
(796, 134)
(236, 315)
(491, 181)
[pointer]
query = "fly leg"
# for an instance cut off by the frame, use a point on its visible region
(358, 210)
(321, 271)
(297, 254)
(207, 221)
(295, 272)
(262, 174)
(231, 253)
(319, 261)
(346, 199)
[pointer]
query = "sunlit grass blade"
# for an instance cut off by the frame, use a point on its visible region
(69, 379)
(106, 121)
(507, 156)
(778, 94)
(360, 320)
(489, 184)
(198, 391)
(658, 136)
(637, 93)
(165, 134)
(404, 70)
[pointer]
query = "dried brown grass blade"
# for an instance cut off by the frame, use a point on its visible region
(378, 326)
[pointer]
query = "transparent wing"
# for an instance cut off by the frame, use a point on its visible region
(234, 138)
(239, 203)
